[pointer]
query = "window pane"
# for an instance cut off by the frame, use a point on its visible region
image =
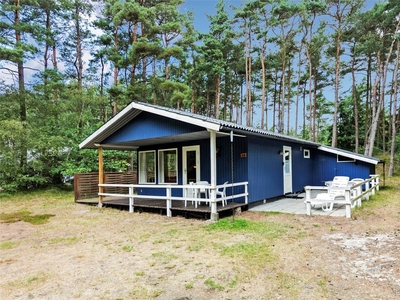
(168, 166)
(147, 167)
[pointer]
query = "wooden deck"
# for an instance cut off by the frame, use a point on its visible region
(159, 206)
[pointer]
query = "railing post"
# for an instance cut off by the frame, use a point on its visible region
(169, 202)
(373, 185)
(368, 192)
(131, 200)
(348, 204)
(246, 197)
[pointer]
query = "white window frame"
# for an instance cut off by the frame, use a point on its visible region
(161, 170)
(143, 170)
(347, 159)
(306, 153)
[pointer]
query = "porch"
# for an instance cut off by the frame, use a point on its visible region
(178, 208)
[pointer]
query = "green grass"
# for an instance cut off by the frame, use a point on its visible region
(164, 257)
(252, 253)
(64, 240)
(8, 245)
(26, 217)
(213, 285)
(267, 229)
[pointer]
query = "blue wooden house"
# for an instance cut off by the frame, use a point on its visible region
(177, 148)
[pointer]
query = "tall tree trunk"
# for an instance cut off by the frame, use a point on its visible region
(263, 86)
(79, 51)
(21, 82)
(289, 78)
(315, 120)
(194, 87)
(384, 66)
(296, 122)
(394, 113)
(217, 96)
(336, 103)
(115, 71)
(355, 101)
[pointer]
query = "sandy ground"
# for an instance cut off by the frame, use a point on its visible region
(90, 253)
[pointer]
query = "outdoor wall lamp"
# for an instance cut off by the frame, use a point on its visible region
(280, 152)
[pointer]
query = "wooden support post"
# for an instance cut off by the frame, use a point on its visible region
(131, 209)
(169, 202)
(213, 168)
(101, 175)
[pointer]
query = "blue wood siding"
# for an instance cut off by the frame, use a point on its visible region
(224, 172)
(147, 125)
(303, 168)
(229, 161)
(266, 169)
(327, 167)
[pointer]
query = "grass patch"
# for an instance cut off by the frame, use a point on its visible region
(267, 229)
(253, 253)
(37, 219)
(8, 245)
(14, 217)
(189, 285)
(164, 257)
(24, 215)
(127, 248)
(64, 240)
(213, 285)
(142, 292)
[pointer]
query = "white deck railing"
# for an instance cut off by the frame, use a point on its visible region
(354, 194)
(132, 194)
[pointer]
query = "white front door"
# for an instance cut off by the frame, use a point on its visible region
(191, 164)
(287, 170)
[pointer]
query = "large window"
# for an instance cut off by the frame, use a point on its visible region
(167, 166)
(147, 167)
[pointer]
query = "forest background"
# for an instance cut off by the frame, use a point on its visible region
(322, 70)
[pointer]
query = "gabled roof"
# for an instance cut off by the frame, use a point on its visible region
(133, 109)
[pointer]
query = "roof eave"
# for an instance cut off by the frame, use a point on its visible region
(371, 160)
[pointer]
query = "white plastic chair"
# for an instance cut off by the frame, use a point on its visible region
(202, 191)
(336, 189)
(190, 193)
(222, 194)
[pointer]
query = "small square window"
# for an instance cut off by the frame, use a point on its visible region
(306, 153)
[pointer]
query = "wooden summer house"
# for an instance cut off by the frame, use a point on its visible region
(177, 149)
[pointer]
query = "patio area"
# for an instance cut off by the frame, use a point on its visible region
(297, 206)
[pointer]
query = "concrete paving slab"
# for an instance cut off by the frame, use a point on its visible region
(297, 206)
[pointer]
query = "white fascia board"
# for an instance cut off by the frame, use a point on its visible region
(177, 116)
(105, 126)
(349, 155)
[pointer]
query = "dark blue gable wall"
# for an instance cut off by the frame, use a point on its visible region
(147, 125)
(266, 168)
(327, 167)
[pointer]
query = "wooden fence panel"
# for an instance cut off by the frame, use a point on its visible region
(86, 184)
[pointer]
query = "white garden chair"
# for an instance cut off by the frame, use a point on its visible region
(222, 194)
(335, 190)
